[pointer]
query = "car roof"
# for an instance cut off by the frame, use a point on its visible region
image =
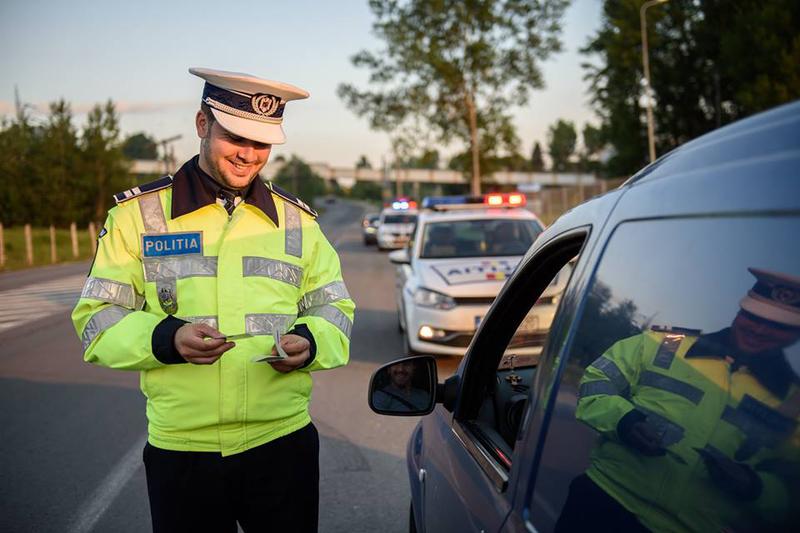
(390, 211)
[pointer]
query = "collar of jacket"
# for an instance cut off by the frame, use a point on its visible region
(192, 189)
(770, 368)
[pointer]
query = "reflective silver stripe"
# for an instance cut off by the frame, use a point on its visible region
(207, 320)
(669, 431)
(101, 321)
(272, 268)
(113, 292)
(332, 315)
(267, 323)
(745, 422)
(152, 213)
(327, 294)
(177, 267)
(596, 388)
(612, 371)
(670, 384)
(294, 230)
(666, 351)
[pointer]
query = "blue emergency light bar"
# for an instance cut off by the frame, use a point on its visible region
(402, 204)
(439, 203)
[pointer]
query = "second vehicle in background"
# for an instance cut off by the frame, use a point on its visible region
(369, 228)
(461, 253)
(396, 224)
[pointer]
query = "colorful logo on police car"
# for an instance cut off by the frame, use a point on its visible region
(476, 271)
(167, 244)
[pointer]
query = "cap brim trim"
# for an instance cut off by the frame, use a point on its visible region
(770, 311)
(262, 132)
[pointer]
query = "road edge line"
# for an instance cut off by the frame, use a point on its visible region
(94, 507)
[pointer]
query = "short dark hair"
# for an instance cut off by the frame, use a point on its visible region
(207, 112)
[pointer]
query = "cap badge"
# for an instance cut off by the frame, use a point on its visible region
(265, 104)
(786, 295)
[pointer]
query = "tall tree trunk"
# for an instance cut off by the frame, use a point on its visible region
(474, 143)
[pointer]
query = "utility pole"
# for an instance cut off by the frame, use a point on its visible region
(651, 144)
(168, 153)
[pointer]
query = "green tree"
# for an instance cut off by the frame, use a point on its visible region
(104, 163)
(456, 68)
(59, 166)
(140, 146)
(297, 177)
(537, 161)
(367, 190)
(711, 62)
(363, 162)
(20, 141)
(561, 140)
(428, 159)
(593, 142)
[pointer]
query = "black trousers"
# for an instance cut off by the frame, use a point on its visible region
(274, 487)
(589, 508)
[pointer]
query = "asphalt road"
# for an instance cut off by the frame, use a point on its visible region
(73, 433)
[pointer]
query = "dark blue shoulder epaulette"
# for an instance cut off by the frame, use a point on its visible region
(292, 199)
(161, 183)
(679, 331)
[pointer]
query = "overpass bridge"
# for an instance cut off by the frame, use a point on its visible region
(346, 177)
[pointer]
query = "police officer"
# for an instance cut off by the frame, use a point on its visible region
(196, 276)
(698, 431)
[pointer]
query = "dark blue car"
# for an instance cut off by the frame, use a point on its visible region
(667, 396)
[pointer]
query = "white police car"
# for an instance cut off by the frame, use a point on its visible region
(462, 251)
(396, 224)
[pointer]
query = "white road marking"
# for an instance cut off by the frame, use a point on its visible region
(104, 495)
(38, 300)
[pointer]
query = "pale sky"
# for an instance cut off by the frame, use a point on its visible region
(137, 54)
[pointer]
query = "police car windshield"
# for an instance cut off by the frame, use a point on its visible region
(399, 219)
(478, 238)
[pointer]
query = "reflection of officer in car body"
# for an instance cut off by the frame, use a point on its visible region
(698, 431)
(400, 394)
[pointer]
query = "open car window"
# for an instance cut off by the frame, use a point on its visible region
(524, 317)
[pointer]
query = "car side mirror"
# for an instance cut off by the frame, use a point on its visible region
(400, 257)
(406, 387)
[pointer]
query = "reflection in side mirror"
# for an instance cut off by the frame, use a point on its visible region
(406, 387)
(399, 257)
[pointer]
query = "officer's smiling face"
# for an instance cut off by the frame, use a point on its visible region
(228, 158)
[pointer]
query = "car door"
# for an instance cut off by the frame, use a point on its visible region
(470, 455)
(694, 323)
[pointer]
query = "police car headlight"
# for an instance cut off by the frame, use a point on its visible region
(428, 298)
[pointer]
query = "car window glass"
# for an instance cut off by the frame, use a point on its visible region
(679, 399)
(504, 407)
(478, 238)
(399, 219)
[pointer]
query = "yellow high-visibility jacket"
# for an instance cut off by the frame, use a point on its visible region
(266, 267)
(693, 403)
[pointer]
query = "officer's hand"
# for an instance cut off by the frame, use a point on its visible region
(643, 437)
(737, 479)
(297, 348)
(194, 344)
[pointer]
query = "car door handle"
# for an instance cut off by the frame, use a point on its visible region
(422, 474)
